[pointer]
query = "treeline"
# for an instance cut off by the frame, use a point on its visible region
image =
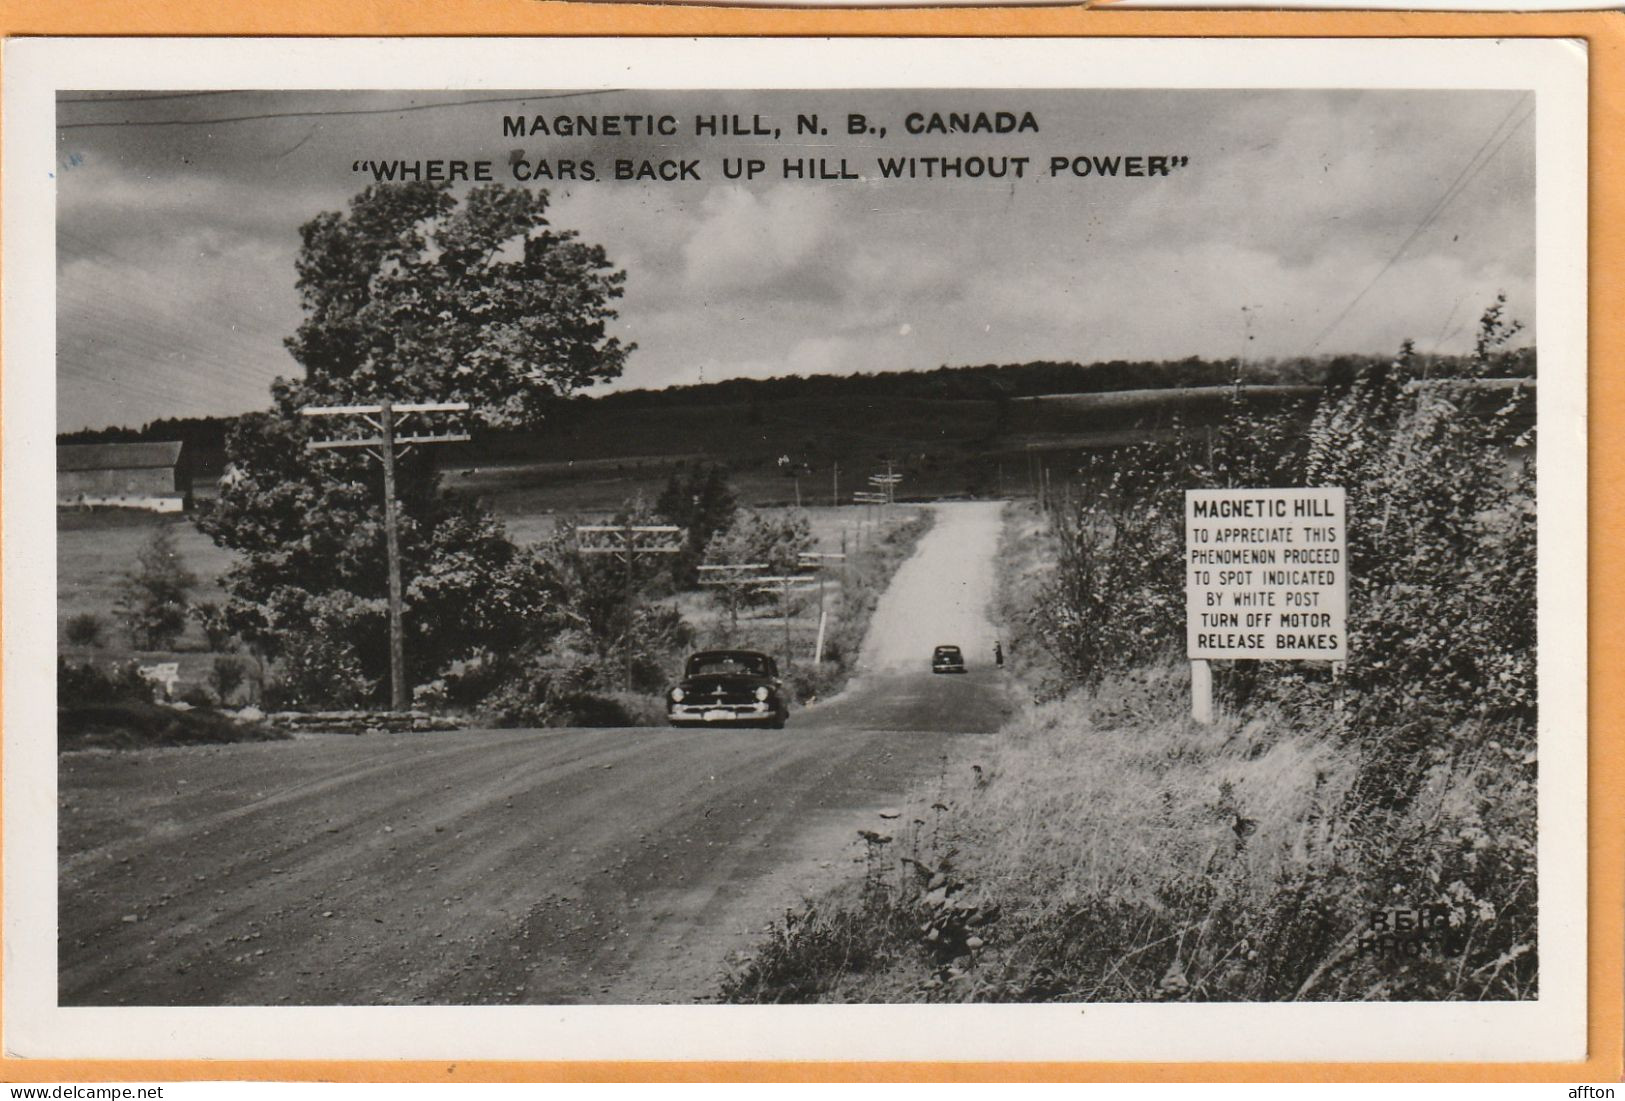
(992, 382)
(198, 433)
(983, 382)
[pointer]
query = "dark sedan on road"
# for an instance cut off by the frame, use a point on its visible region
(947, 659)
(728, 687)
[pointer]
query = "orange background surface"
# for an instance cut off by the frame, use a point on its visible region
(1605, 33)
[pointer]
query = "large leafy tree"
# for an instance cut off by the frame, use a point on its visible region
(421, 297)
(413, 295)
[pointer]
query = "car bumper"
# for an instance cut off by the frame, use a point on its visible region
(720, 712)
(947, 669)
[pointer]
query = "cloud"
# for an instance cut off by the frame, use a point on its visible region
(754, 243)
(178, 244)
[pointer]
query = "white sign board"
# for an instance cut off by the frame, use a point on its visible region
(1266, 574)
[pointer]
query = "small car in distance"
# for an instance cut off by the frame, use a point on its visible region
(728, 687)
(947, 659)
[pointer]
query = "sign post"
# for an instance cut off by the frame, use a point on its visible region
(1266, 579)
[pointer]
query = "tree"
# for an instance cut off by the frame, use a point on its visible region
(153, 598)
(703, 504)
(414, 296)
(775, 540)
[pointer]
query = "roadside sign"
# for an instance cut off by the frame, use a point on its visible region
(1266, 574)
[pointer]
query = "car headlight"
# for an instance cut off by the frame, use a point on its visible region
(676, 695)
(762, 692)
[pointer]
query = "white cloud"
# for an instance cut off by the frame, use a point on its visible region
(745, 240)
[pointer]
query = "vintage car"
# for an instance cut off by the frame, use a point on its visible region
(737, 687)
(947, 659)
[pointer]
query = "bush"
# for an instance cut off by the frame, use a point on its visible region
(211, 619)
(196, 695)
(85, 630)
(226, 675)
(132, 724)
(569, 684)
(152, 599)
(78, 683)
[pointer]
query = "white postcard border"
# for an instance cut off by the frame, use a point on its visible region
(1552, 1028)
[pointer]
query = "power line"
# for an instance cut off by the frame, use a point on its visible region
(153, 96)
(333, 113)
(1468, 173)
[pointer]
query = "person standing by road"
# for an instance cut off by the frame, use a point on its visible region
(998, 653)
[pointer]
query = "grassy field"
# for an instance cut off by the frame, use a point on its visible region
(95, 548)
(944, 448)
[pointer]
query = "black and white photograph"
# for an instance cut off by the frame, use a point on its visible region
(1060, 550)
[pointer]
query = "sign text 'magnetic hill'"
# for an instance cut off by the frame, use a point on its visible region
(1266, 574)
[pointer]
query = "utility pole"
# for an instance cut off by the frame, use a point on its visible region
(786, 583)
(385, 418)
(887, 482)
(629, 542)
(733, 577)
(869, 499)
(814, 560)
(835, 487)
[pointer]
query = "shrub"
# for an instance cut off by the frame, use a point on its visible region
(569, 683)
(320, 665)
(211, 619)
(132, 724)
(78, 683)
(196, 695)
(152, 599)
(85, 630)
(226, 675)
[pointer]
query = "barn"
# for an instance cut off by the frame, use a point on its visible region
(124, 475)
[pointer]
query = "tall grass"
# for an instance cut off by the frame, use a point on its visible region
(1107, 849)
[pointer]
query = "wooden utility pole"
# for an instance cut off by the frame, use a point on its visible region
(733, 577)
(869, 499)
(887, 482)
(629, 542)
(815, 560)
(385, 418)
(784, 585)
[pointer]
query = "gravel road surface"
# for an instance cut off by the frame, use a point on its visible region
(511, 866)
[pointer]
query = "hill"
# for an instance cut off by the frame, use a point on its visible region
(988, 430)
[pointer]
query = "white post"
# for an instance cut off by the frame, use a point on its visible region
(1202, 692)
(818, 648)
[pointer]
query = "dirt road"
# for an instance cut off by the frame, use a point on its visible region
(500, 867)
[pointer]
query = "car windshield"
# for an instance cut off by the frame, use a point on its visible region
(756, 665)
(947, 651)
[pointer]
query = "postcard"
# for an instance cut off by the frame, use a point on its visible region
(796, 549)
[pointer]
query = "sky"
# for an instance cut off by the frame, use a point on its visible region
(1300, 222)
